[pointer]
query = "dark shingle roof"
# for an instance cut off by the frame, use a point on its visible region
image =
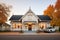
(44, 17)
(16, 17)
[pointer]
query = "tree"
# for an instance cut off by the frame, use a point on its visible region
(57, 13)
(49, 11)
(54, 13)
(4, 12)
(57, 5)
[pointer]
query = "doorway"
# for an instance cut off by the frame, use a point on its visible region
(30, 27)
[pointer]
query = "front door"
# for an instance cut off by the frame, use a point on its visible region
(30, 27)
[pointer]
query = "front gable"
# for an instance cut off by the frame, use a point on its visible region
(29, 16)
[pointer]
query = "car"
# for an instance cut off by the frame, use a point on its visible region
(50, 29)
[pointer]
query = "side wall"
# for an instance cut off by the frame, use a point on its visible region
(16, 26)
(44, 25)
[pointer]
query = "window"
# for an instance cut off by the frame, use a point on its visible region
(42, 25)
(14, 26)
(18, 26)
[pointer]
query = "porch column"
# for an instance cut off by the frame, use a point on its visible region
(37, 27)
(23, 27)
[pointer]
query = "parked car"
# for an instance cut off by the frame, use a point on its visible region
(49, 29)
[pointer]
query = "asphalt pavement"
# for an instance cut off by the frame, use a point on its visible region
(41, 36)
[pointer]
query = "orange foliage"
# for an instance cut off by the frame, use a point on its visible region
(4, 12)
(57, 5)
(54, 13)
(49, 11)
(57, 14)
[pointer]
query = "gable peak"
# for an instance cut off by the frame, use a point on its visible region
(30, 11)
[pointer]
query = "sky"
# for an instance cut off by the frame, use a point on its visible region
(20, 7)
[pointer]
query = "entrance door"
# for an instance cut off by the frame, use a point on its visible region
(30, 27)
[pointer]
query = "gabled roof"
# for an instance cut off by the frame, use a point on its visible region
(44, 17)
(16, 17)
(29, 11)
(41, 17)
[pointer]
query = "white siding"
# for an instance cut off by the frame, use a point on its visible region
(15, 24)
(29, 17)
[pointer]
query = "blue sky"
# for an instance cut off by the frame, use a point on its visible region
(20, 7)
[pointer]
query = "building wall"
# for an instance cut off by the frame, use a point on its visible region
(29, 17)
(34, 27)
(44, 25)
(16, 26)
(5, 27)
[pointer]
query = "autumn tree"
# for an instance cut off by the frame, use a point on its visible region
(57, 5)
(57, 18)
(57, 9)
(4, 12)
(49, 11)
(57, 12)
(54, 13)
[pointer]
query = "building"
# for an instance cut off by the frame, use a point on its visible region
(5, 27)
(29, 22)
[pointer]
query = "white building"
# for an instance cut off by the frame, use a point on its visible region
(29, 22)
